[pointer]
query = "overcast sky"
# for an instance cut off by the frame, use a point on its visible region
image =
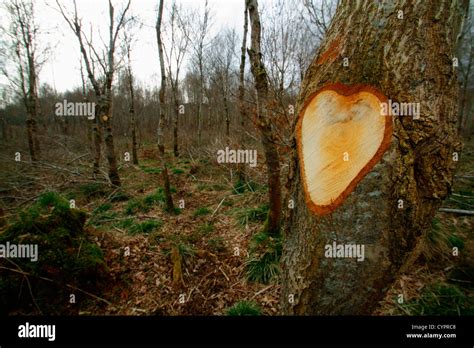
(62, 69)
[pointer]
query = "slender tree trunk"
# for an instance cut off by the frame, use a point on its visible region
(30, 136)
(164, 171)
(241, 176)
(97, 137)
(134, 133)
(264, 122)
(175, 125)
(462, 110)
(391, 209)
(132, 111)
(199, 113)
(109, 142)
(161, 121)
(33, 102)
(226, 113)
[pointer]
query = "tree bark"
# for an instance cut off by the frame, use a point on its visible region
(389, 212)
(464, 92)
(164, 171)
(161, 121)
(175, 124)
(241, 176)
(97, 135)
(132, 110)
(263, 121)
(109, 141)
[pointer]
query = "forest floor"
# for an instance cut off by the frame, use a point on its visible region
(212, 233)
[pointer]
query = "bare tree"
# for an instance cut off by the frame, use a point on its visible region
(101, 82)
(198, 39)
(164, 169)
(241, 176)
(319, 14)
(22, 37)
(175, 53)
(264, 123)
(220, 62)
(127, 42)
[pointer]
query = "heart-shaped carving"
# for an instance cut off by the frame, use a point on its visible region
(341, 134)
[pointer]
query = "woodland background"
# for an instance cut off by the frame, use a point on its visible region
(156, 225)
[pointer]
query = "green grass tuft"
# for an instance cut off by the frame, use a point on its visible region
(263, 263)
(201, 211)
(440, 299)
(147, 226)
(244, 308)
(216, 244)
(258, 214)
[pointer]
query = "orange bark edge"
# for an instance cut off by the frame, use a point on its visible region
(345, 90)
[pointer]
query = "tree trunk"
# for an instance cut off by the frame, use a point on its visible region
(161, 121)
(97, 135)
(175, 125)
(464, 93)
(408, 59)
(30, 136)
(264, 122)
(132, 110)
(109, 142)
(226, 113)
(134, 135)
(164, 170)
(241, 176)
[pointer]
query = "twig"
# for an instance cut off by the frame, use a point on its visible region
(457, 211)
(76, 158)
(222, 201)
(225, 275)
(263, 290)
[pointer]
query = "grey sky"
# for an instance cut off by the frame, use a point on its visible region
(62, 69)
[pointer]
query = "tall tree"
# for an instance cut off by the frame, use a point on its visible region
(161, 122)
(264, 120)
(199, 42)
(128, 49)
(241, 176)
(175, 54)
(220, 61)
(101, 84)
(390, 211)
(22, 36)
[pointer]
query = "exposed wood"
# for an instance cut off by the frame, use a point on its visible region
(341, 135)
